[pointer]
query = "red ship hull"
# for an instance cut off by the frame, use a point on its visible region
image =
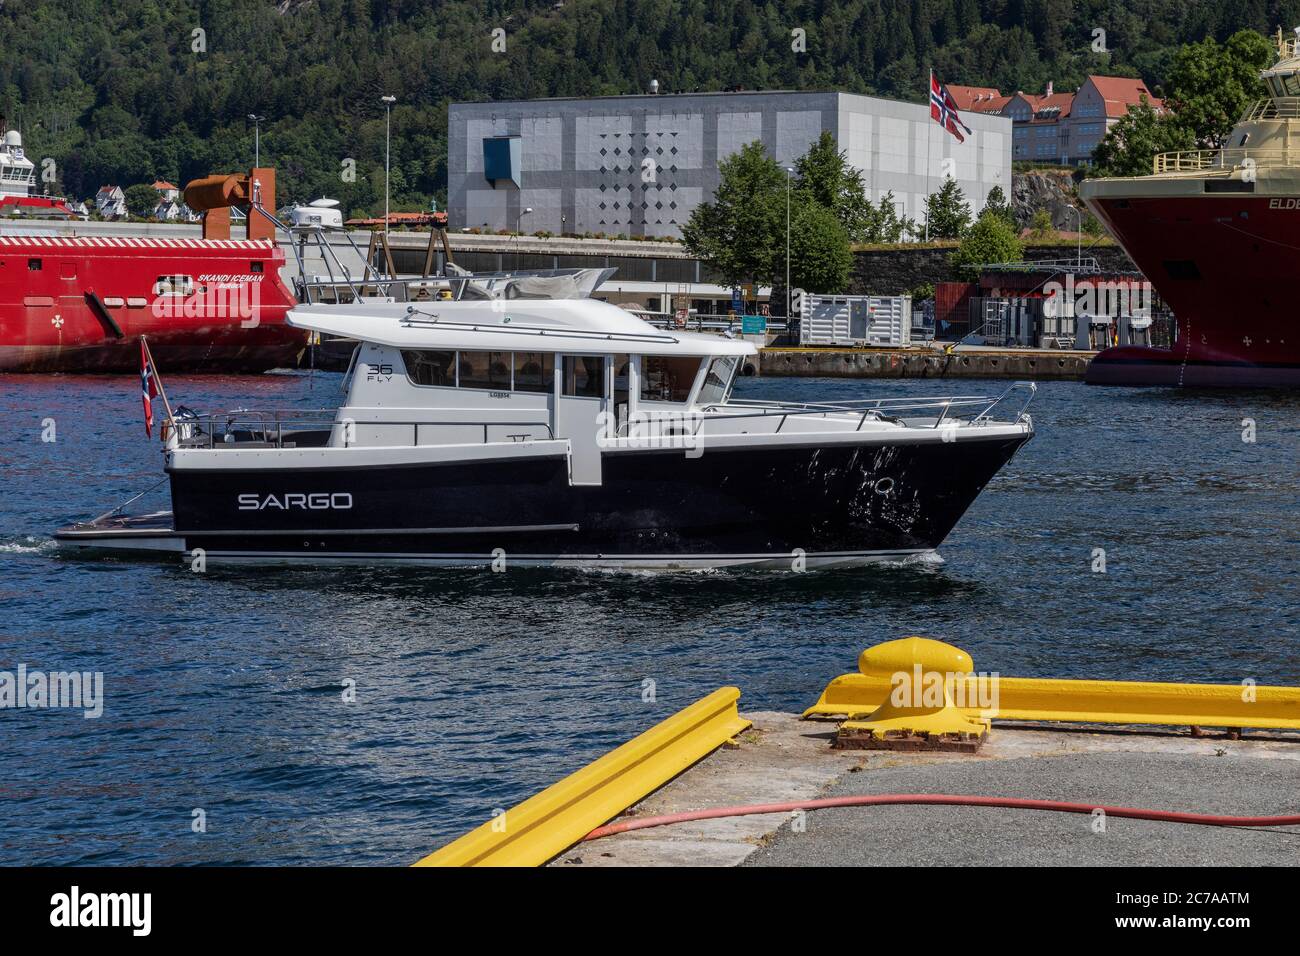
(80, 305)
(1223, 263)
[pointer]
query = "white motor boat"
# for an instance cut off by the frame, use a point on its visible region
(562, 431)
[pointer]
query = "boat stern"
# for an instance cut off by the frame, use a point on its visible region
(121, 534)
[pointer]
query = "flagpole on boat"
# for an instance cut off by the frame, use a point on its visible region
(162, 392)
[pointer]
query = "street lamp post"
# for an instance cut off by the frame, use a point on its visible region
(1078, 255)
(789, 299)
(388, 142)
(257, 138)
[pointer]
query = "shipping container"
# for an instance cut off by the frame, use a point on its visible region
(951, 308)
(855, 320)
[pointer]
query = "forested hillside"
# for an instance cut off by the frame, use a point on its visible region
(126, 90)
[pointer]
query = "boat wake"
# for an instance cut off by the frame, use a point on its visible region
(932, 559)
(27, 544)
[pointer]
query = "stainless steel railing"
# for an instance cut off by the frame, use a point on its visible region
(882, 409)
(273, 428)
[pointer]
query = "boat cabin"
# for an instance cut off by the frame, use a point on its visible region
(525, 370)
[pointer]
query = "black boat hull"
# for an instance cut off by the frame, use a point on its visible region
(775, 507)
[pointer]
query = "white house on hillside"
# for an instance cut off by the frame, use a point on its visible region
(166, 191)
(110, 202)
(173, 210)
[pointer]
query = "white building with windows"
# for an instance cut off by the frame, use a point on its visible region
(173, 210)
(110, 202)
(637, 166)
(1066, 127)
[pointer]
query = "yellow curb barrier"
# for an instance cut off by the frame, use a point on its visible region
(547, 824)
(897, 671)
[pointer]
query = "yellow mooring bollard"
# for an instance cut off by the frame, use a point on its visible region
(916, 693)
(920, 712)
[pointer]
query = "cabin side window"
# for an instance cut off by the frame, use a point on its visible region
(584, 376)
(33, 265)
(485, 370)
(174, 285)
(666, 378)
(430, 368)
(534, 371)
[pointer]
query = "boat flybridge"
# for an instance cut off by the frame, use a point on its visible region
(561, 431)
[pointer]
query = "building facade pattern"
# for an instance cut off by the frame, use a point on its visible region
(639, 165)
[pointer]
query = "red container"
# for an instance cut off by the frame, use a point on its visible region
(951, 306)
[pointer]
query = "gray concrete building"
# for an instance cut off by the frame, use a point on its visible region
(638, 165)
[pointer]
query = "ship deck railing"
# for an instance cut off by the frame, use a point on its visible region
(934, 412)
(1227, 158)
(1267, 109)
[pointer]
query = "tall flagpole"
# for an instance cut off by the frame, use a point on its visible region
(929, 93)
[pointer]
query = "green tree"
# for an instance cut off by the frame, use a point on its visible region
(921, 293)
(888, 224)
(141, 200)
(820, 259)
(1129, 146)
(990, 239)
(996, 203)
(947, 211)
(739, 233)
(827, 177)
(1041, 227)
(1211, 86)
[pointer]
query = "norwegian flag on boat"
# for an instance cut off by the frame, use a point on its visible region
(943, 109)
(148, 385)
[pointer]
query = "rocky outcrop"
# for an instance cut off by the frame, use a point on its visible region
(1050, 189)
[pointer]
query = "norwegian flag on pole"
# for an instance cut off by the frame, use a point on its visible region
(943, 109)
(148, 386)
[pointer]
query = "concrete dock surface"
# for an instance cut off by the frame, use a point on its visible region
(783, 758)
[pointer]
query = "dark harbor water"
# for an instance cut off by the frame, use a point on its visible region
(224, 691)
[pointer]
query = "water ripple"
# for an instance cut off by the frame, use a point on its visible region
(358, 716)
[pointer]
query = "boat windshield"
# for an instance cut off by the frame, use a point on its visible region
(717, 383)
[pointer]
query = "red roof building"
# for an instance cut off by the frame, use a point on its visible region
(1101, 102)
(1065, 128)
(1115, 94)
(978, 99)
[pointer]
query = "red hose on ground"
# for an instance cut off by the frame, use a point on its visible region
(944, 799)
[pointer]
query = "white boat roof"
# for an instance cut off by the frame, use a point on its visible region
(509, 325)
